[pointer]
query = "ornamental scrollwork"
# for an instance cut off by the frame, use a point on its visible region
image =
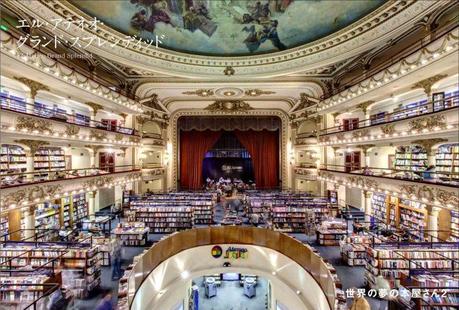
(388, 129)
(118, 137)
(32, 124)
(428, 122)
(446, 197)
(408, 189)
(72, 130)
(200, 92)
(232, 106)
(360, 133)
(258, 92)
(98, 135)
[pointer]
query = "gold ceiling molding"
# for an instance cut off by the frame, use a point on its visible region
(124, 115)
(231, 106)
(32, 124)
(33, 85)
(229, 71)
(427, 84)
(118, 137)
(33, 145)
(304, 102)
(95, 106)
(388, 16)
(200, 92)
(153, 103)
(428, 123)
(258, 92)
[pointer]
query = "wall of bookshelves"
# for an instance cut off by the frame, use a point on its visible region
(47, 220)
(80, 265)
(4, 227)
(411, 158)
(413, 217)
(447, 161)
(394, 263)
(12, 159)
(49, 158)
(455, 225)
(79, 208)
(163, 219)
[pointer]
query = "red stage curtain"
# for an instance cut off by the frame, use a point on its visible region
(263, 147)
(193, 147)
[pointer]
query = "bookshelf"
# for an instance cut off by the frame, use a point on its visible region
(447, 161)
(455, 225)
(411, 158)
(47, 216)
(353, 251)
(65, 213)
(378, 202)
(163, 219)
(331, 232)
(80, 208)
(12, 159)
(105, 247)
(203, 213)
(132, 233)
(79, 264)
(413, 217)
(49, 158)
(19, 292)
(4, 227)
(394, 263)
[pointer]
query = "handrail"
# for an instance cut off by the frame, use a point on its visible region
(424, 109)
(71, 66)
(277, 241)
(410, 50)
(18, 106)
(26, 178)
(32, 304)
(451, 179)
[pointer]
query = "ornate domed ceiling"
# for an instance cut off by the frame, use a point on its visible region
(228, 27)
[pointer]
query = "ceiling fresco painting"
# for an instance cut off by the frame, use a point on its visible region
(228, 27)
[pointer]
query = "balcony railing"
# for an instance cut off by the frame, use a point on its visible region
(430, 177)
(402, 114)
(56, 115)
(27, 178)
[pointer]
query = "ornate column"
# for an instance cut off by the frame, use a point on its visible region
(367, 203)
(34, 88)
(365, 150)
(364, 107)
(92, 203)
(33, 146)
(432, 223)
(428, 145)
(95, 107)
(93, 162)
(29, 219)
(427, 84)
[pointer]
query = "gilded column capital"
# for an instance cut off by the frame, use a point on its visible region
(429, 143)
(95, 106)
(33, 85)
(427, 84)
(33, 145)
(364, 105)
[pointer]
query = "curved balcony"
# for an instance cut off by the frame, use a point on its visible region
(434, 178)
(426, 109)
(10, 180)
(143, 274)
(22, 107)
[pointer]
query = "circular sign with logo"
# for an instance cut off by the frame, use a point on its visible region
(216, 251)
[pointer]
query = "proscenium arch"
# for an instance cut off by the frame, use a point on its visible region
(173, 135)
